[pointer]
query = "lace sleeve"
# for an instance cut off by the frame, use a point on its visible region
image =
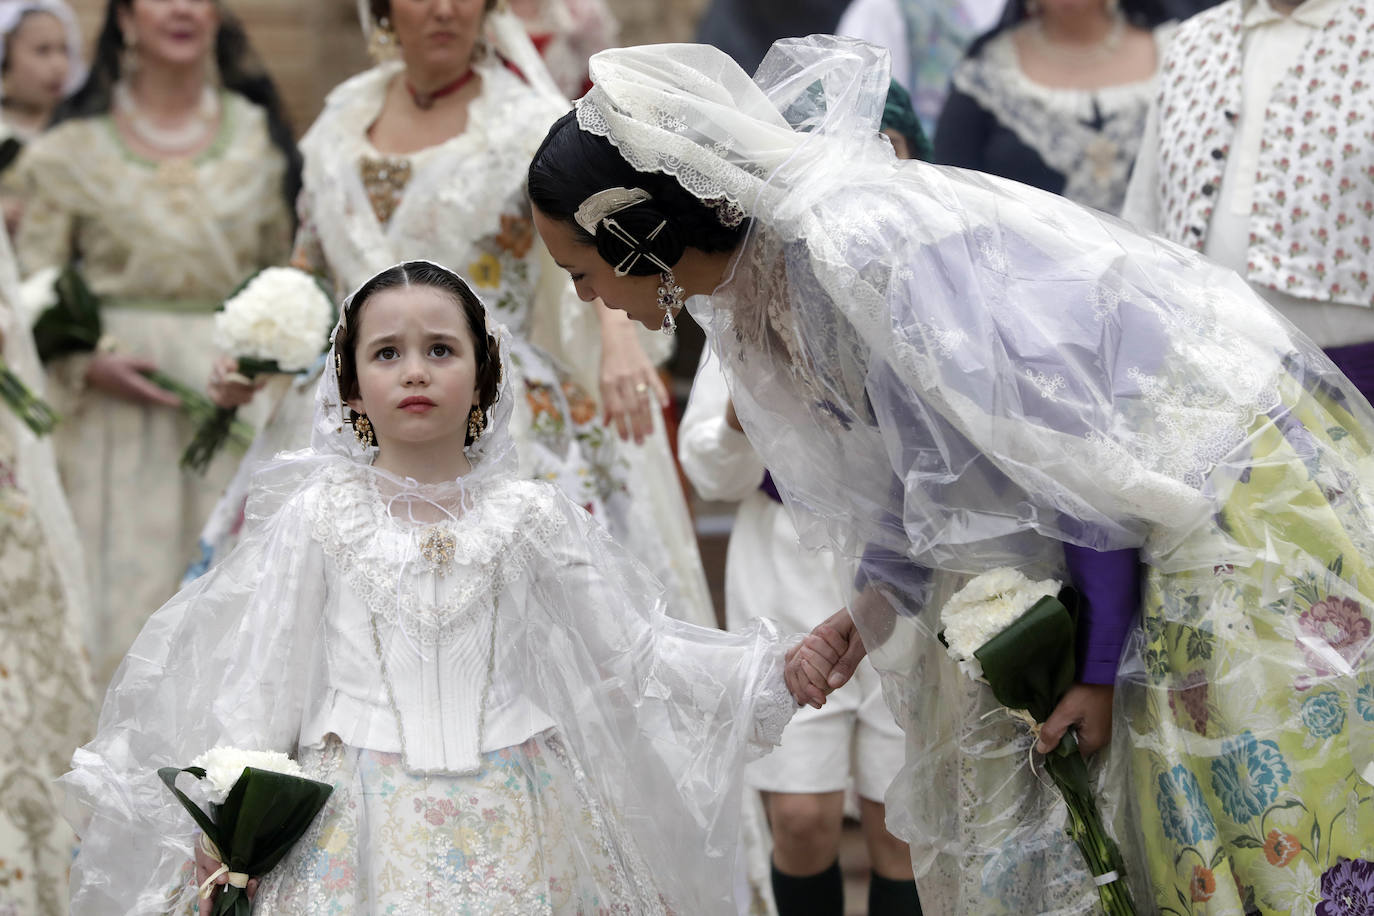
(48, 227)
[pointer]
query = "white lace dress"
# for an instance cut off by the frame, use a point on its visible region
(463, 204)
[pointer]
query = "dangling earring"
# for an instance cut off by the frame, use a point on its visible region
(128, 57)
(670, 300)
(382, 44)
(362, 428)
(477, 423)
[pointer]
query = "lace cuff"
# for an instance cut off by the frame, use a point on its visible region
(773, 703)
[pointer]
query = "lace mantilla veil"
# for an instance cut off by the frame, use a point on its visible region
(946, 372)
(503, 580)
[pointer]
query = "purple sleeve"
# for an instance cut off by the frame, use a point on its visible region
(1109, 583)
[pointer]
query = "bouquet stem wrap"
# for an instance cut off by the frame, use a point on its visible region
(27, 406)
(1030, 665)
(261, 818)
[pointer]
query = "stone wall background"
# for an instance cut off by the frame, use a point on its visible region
(309, 46)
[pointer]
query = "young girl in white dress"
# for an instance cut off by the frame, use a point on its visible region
(510, 722)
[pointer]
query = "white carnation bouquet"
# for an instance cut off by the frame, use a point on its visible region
(1019, 637)
(261, 803)
(277, 322)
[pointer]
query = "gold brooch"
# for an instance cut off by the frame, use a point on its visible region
(437, 546)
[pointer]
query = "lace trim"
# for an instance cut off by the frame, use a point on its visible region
(510, 524)
(774, 707)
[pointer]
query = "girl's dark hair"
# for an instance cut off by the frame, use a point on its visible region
(240, 71)
(1143, 14)
(572, 164)
(487, 352)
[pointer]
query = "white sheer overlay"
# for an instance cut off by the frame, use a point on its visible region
(537, 661)
(947, 372)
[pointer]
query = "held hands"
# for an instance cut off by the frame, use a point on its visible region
(824, 660)
(631, 389)
(205, 867)
(122, 375)
(1088, 709)
(227, 388)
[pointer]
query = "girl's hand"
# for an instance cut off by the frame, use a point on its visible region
(1088, 707)
(122, 376)
(631, 389)
(824, 660)
(205, 867)
(227, 388)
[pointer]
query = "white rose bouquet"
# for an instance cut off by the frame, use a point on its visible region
(1019, 637)
(261, 803)
(277, 322)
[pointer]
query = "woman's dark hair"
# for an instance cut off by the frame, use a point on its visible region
(1143, 14)
(486, 350)
(240, 71)
(572, 164)
(382, 8)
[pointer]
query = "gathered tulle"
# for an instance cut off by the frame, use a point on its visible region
(946, 373)
(471, 654)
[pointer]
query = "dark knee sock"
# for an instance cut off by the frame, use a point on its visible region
(892, 898)
(813, 895)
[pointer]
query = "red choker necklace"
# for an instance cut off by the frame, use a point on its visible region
(426, 100)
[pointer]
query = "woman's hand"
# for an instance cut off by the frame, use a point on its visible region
(631, 389)
(122, 376)
(824, 660)
(1088, 707)
(207, 866)
(227, 387)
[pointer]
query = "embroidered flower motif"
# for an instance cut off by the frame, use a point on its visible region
(540, 399)
(1192, 697)
(1280, 848)
(1333, 625)
(1348, 889)
(1247, 776)
(517, 235)
(1182, 811)
(1324, 714)
(485, 272)
(1364, 701)
(581, 407)
(1203, 885)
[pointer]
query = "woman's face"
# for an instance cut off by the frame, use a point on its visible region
(1071, 9)
(593, 278)
(171, 32)
(437, 35)
(36, 64)
(417, 369)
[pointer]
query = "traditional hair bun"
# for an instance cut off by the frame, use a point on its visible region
(656, 233)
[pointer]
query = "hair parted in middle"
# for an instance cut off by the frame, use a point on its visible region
(486, 349)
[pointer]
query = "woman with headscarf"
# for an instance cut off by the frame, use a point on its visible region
(948, 374)
(168, 180)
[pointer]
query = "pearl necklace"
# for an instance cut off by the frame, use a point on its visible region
(1074, 53)
(185, 137)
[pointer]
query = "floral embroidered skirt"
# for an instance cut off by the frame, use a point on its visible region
(1249, 692)
(524, 835)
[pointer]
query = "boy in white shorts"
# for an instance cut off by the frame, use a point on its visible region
(854, 737)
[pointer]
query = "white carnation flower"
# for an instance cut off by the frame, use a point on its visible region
(986, 606)
(38, 293)
(281, 315)
(224, 765)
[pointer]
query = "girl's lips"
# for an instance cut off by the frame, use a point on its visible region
(416, 404)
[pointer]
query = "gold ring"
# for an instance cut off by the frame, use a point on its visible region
(641, 387)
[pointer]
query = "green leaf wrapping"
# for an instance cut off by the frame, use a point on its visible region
(1030, 664)
(262, 817)
(73, 325)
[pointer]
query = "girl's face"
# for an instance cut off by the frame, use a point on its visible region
(417, 371)
(36, 64)
(593, 278)
(171, 32)
(437, 35)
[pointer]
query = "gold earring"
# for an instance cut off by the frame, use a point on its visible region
(362, 429)
(382, 44)
(338, 364)
(477, 422)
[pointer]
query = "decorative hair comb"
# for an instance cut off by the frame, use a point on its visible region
(607, 203)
